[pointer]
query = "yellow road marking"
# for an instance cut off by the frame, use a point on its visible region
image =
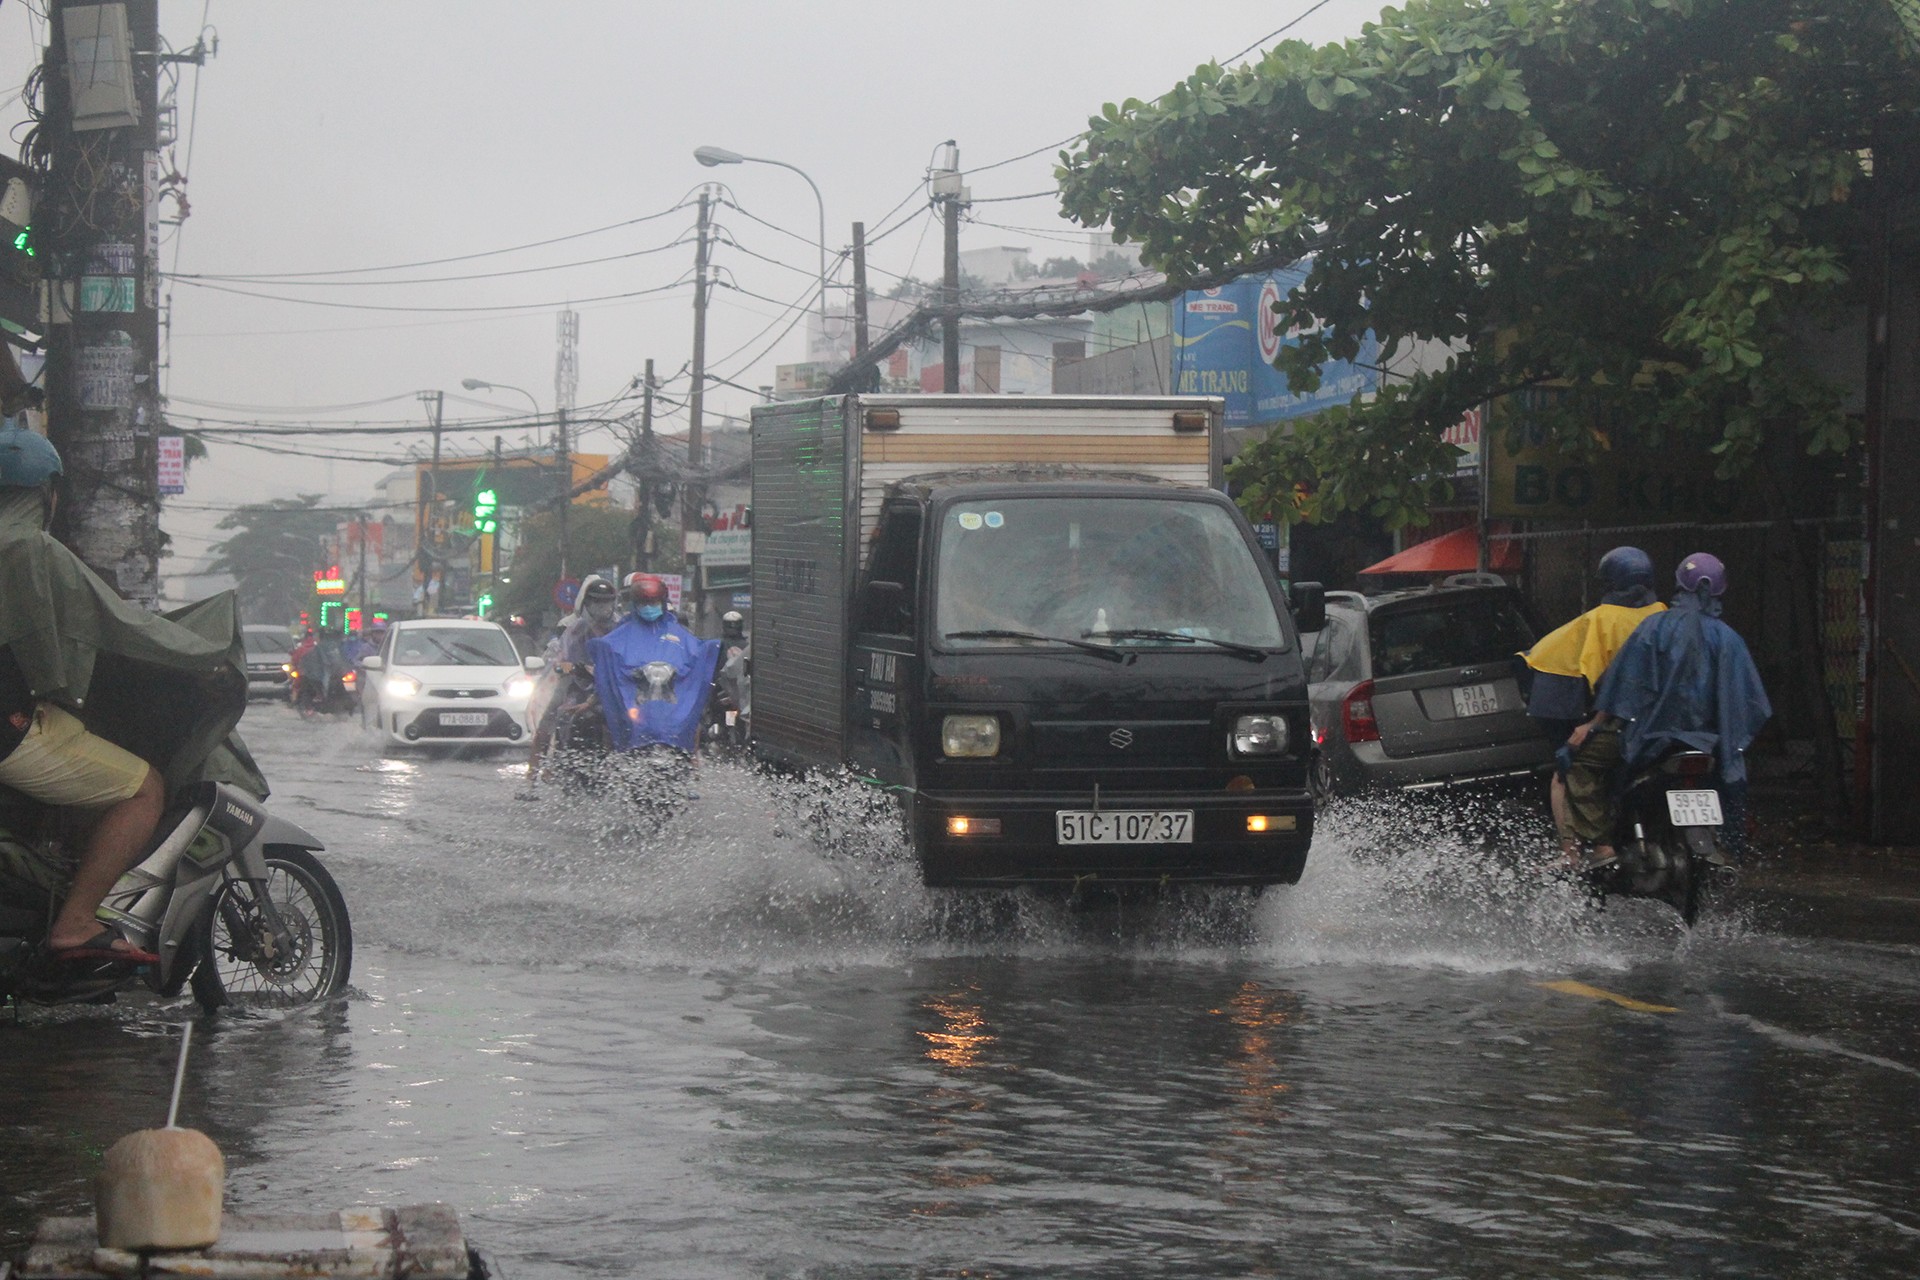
(1568, 986)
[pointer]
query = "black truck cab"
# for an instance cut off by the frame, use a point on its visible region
(1079, 681)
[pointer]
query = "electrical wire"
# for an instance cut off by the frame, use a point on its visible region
(294, 281)
(469, 257)
(1278, 31)
(370, 306)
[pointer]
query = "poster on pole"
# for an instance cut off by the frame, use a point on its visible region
(171, 459)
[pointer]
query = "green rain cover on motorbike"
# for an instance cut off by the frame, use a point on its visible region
(168, 687)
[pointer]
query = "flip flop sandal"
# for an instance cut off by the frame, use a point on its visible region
(101, 947)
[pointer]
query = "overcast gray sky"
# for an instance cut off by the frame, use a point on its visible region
(337, 134)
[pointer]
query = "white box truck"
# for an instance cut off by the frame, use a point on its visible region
(1038, 622)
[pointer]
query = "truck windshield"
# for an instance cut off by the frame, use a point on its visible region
(1133, 572)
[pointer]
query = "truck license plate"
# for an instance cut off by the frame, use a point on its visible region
(1164, 826)
(1694, 808)
(1475, 700)
(463, 717)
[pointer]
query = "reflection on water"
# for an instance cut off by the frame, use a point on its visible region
(962, 1038)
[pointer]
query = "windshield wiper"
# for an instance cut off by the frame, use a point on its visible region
(1246, 651)
(1108, 652)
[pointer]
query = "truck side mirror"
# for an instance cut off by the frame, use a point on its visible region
(1309, 606)
(884, 608)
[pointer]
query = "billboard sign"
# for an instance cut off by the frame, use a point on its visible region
(171, 455)
(1226, 339)
(1528, 478)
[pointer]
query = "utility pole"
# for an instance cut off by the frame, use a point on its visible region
(859, 289)
(429, 512)
(360, 518)
(100, 150)
(643, 540)
(947, 190)
(689, 493)
(566, 380)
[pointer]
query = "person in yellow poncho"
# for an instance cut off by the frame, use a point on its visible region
(1567, 665)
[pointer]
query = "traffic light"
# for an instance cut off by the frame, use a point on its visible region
(485, 503)
(484, 605)
(20, 270)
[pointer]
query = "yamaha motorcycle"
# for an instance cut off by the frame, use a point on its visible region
(233, 900)
(1668, 832)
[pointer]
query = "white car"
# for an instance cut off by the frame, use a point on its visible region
(452, 681)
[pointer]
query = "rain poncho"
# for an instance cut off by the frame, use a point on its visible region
(1684, 679)
(1569, 661)
(549, 684)
(169, 688)
(654, 679)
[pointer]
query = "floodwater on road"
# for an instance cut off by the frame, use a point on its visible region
(720, 1045)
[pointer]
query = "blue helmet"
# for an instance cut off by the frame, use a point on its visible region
(27, 459)
(1625, 567)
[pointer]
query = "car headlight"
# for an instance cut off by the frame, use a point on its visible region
(970, 736)
(403, 686)
(520, 687)
(1259, 735)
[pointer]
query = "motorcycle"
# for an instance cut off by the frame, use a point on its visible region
(1668, 827)
(337, 695)
(234, 901)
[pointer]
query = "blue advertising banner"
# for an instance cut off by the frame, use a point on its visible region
(1225, 341)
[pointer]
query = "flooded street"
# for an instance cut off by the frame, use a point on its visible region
(713, 1048)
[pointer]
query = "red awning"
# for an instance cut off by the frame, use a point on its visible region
(1456, 552)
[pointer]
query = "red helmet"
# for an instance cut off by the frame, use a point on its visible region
(647, 589)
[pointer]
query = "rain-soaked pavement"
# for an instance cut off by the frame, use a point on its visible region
(712, 1048)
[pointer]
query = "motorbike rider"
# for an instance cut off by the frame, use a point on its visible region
(595, 613)
(45, 751)
(322, 666)
(1683, 679)
(731, 683)
(1567, 663)
(652, 674)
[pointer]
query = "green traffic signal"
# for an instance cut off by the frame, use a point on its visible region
(485, 503)
(24, 241)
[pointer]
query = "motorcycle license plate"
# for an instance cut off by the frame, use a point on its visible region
(1694, 808)
(1141, 826)
(451, 718)
(1475, 700)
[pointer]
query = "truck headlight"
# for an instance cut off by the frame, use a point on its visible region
(1259, 736)
(973, 736)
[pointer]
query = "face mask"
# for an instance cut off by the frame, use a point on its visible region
(600, 611)
(650, 612)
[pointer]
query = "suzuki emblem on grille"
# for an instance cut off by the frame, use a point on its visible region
(1121, 739)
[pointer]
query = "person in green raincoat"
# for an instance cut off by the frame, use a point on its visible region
(104, 708)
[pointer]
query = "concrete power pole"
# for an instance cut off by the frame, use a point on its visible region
(102, 239)
(428, 516)
(948, 190)
(690, 493)
(566, 382)
(643, 518)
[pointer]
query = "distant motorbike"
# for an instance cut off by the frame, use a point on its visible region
(233, 900)
(324, 684)
(1668, 830)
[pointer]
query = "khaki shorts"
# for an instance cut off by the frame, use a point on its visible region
(1590, 785)
(60, 763)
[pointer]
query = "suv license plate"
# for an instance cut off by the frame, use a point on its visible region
(1475, 700)
(1694, 808)
(1140, 826)
(464, 717)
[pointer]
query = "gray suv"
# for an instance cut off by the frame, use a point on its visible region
(1419, 690)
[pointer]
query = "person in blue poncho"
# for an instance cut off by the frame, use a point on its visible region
(1683, 680)
(652, 674)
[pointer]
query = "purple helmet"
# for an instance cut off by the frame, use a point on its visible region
(1702, 569)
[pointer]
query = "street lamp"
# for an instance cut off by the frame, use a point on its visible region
(711, 156)
(480, 384)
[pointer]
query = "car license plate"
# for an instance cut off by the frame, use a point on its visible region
(1475, 700)
(464, 717)
(1141, 826)
(1694, 808)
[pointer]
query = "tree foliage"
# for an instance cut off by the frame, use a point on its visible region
(272, 554)
(598, 533)
(1648, 202)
